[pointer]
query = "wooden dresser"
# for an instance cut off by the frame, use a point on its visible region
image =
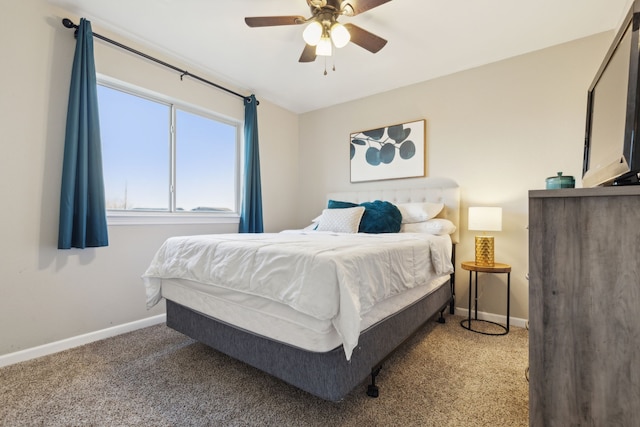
(584, 307)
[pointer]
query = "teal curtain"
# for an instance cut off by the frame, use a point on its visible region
(83, 221)
(251, 211)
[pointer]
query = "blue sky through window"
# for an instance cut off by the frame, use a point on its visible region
(136, 150)
(204, 148)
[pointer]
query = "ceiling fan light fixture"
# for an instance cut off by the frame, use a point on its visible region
(322, 33)
(340, 35)
(324, 47)
(313, 33)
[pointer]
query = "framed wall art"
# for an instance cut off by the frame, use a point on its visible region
(396, 151)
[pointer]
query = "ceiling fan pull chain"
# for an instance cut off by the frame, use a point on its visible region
(325, 65)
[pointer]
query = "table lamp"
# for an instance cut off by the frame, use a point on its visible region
(485, 219)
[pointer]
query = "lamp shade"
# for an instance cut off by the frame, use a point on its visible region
(312, 33)
(324, 47)
(340, 35)
(485, 218)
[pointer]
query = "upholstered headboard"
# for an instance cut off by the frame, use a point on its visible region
(437, 190)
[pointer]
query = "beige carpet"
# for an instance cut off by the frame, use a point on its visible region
(444, 376)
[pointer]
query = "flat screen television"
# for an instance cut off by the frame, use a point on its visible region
(612, 147)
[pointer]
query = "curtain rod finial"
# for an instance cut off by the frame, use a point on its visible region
(68, 23)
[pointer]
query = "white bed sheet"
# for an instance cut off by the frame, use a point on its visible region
(328, 276)
(277, 321)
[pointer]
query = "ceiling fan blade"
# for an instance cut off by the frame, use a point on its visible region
(308, 54)
(360, 6)
(365, 39)
(270, 21)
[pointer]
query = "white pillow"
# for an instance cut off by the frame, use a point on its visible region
(418, 212)
(437, 226)
(346, 220)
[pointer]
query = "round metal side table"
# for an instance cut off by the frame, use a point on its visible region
(472, 267)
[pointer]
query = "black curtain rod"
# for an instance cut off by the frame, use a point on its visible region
(69, 24)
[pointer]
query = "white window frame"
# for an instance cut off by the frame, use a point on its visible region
(118, 217)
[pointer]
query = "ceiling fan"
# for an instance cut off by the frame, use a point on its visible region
(324, 30)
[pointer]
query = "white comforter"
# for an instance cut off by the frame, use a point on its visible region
(330, 276)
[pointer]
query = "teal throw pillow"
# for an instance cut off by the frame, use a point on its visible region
(379, 216)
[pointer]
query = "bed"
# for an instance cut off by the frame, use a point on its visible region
(320, 308)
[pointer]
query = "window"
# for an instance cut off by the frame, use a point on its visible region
(162, 157)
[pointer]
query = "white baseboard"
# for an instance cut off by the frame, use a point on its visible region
(66, 344)
(513, 321)
(54, 347)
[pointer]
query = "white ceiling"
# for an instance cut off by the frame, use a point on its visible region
(426, 39)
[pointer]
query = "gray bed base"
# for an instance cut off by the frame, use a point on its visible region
(326, 375)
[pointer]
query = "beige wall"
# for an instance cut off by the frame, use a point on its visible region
(48, 295)
(498, 130)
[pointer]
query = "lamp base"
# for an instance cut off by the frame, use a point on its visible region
(484, 251)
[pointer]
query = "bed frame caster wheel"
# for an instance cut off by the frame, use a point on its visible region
(372, 390)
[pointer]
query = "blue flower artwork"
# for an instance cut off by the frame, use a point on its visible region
(396, 151)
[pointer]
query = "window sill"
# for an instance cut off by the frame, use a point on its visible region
(164, 218)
